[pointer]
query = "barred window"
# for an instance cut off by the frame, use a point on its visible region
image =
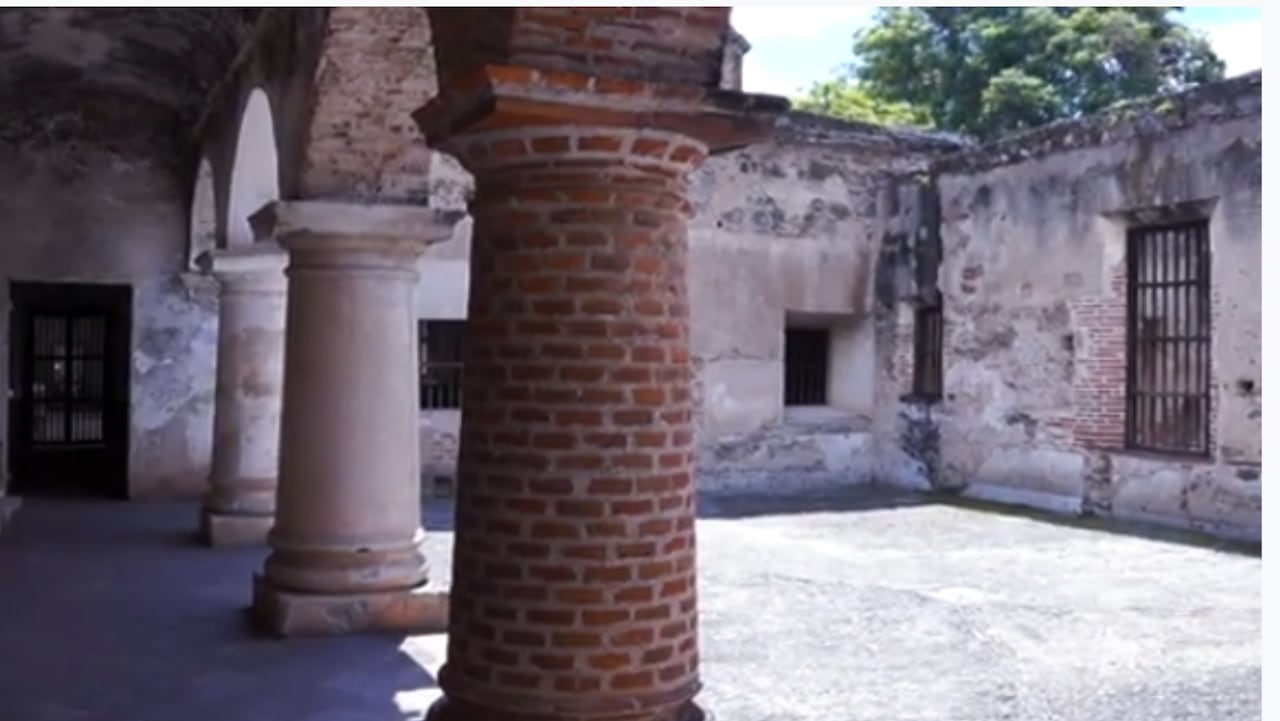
(926, 381)
(440, 363)
(805, 366)
(1167, 389)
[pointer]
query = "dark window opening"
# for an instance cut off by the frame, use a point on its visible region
(926, 381)
(1167, 387)
(440, 363)
(805, 366)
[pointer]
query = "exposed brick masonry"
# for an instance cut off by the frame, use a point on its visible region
(573, 591)
(1100, 377)
(672, 45)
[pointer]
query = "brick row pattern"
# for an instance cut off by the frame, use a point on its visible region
(678, 45)
(1100, 376)
(1099, 391)
(573, 591)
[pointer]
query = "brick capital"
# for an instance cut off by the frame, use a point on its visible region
(498, 97)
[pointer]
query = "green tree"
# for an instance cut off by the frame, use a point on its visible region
(841, 98)
(991, 70)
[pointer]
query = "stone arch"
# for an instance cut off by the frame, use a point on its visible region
(255, 173)
(203, 235)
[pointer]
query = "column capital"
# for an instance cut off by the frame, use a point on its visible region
(321, 225)
(502, 97)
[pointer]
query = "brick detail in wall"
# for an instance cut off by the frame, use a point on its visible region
(679, 45)
(1098, 391)
(574, 580)
(377, 67)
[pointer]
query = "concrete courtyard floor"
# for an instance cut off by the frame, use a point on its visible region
(872, 607)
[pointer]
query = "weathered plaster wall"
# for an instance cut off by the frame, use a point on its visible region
(786, 233)
(782, 229)
(1033, 240)
(87, 216)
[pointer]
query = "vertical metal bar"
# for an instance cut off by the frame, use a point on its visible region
(1206, 292)
(1131, 267)
(1181, 364)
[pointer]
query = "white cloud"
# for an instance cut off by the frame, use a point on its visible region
(1238, 44)
(764, 22)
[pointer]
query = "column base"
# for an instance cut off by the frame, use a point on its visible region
(8, 506)
(290, 613)
(226, 530)
(447, 709)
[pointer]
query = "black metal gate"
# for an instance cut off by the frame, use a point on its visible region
(69, 388)
(1167, 399)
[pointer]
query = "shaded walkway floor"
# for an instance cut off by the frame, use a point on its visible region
(842, 610)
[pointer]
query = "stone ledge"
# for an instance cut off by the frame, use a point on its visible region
(225, 530)
(287, 614)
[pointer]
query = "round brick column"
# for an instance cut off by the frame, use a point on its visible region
(240, 504)
(573, 592)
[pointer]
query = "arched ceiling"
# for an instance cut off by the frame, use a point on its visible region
(121, 66)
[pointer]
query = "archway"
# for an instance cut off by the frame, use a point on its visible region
(255, 179)
(204, 219)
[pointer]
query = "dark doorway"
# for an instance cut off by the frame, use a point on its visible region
(69, 389)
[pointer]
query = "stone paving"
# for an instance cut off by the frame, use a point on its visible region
(872, 608)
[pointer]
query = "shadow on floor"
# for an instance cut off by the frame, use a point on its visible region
(107, 616)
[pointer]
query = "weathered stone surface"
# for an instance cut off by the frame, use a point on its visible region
(85, 212)
(419, 611)
(1033, 233)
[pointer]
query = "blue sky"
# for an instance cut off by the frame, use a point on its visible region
(793, 46)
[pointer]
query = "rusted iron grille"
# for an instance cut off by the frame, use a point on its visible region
(1167, 388)
(440, 363)
(805, 366)
(927, 370)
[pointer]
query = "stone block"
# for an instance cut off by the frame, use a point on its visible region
(224, 530)
(286, 614)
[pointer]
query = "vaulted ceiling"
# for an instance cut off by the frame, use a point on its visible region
(117, 66)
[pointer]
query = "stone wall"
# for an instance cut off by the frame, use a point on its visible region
(85, 215)
(785, 232)
(1033, 233)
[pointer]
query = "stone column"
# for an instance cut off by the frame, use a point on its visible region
(574, 588)
(240, 504)
(346, 546)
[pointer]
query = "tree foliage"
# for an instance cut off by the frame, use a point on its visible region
(992, 70)
(839, 98)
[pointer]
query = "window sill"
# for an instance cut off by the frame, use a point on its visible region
(1186, 458)
(920, 399)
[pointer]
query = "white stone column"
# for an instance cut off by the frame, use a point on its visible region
(241, 500)
(346, 546)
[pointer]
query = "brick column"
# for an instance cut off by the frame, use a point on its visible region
(573, 592)
(346, 553)
(574, 586)
(240, 504)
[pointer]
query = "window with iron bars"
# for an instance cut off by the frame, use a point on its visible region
(926, 381)
(805, 366)
(1167, 387)
(440, 364)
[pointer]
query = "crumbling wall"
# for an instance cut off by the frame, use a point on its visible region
(1033, 276)
(787, 232)
(78, 213)
(782, 229)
